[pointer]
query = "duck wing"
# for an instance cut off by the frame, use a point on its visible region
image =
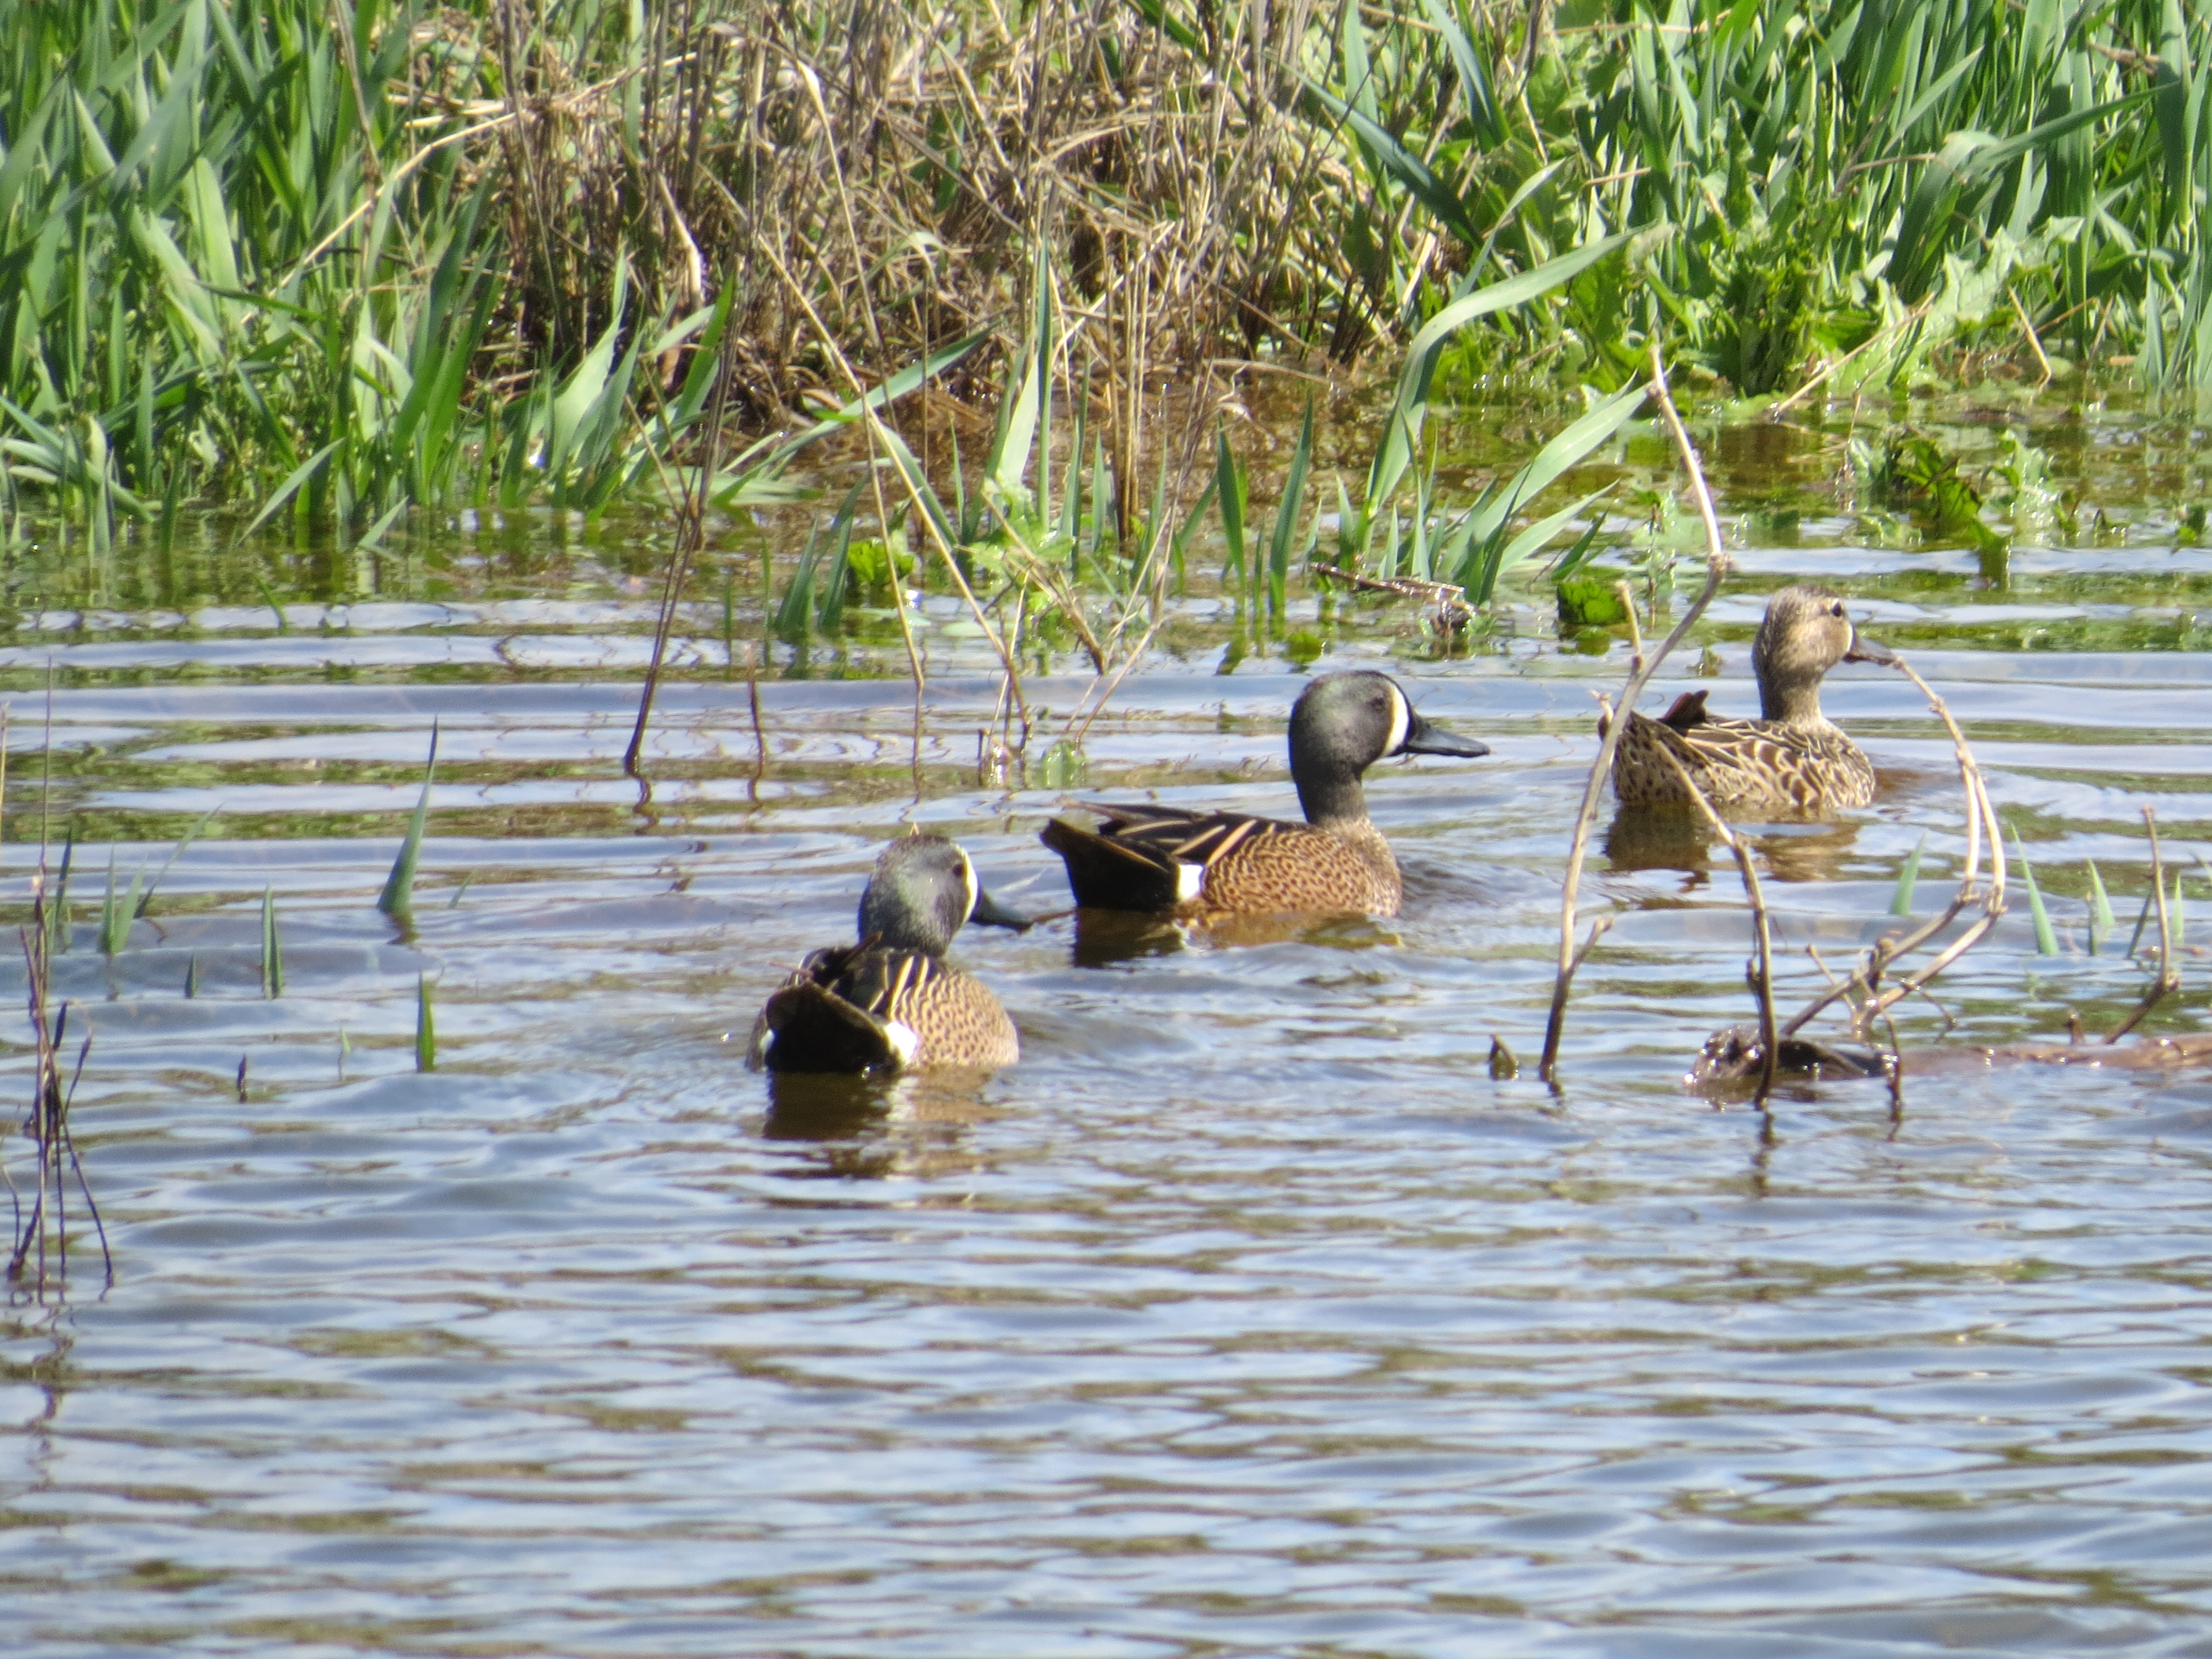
(1739, 763)
(1145, 857)
(841, 1012)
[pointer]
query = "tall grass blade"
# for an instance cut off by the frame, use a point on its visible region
(2100, 910)
(146, 899)
(1901, 901)
(397, 898)
(1286, 517)
(426, 1027)
(2046, 939)
(1229, 497)
(272, 949)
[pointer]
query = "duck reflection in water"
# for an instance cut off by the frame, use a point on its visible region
(872, 1128)
(1678, 838)
(1106, 937)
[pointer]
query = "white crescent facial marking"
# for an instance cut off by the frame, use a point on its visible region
(1401, 719)
(1190, 882)
(905, 1041)
(968, 877)
(767, 1042)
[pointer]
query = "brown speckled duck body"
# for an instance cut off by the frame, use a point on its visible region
(1198, 864)
(1793, 758)
(891, 1003)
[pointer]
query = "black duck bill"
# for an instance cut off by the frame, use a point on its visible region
(1423, 738)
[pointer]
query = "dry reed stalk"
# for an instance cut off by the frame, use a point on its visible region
(1449, 599)
(690, 539)
(1762, 983)
(1717, 565)
(2169, 978)
(918, 509)
(1157, 174)
(1981, 823)
(55, 1146)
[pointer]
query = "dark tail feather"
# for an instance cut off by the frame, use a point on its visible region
(1686, 712)
(815, 1030)
(1106, 875)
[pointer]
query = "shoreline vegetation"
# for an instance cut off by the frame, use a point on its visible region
(527, 253)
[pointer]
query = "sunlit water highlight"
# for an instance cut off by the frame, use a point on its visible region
(1249, 1314)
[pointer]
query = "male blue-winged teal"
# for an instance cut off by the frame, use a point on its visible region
(890, 1003)
(1792, 757)
(1221, 864)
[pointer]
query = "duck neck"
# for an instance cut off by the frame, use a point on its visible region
(1332, 796)
(1791, 702)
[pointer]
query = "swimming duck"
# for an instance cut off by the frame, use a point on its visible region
(1792, 757)
(1336, 863)
(890, 1003)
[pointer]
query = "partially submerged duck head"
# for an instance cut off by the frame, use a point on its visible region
(1808, 630)
(1341, 725)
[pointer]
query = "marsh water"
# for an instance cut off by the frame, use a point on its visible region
(1250, 1314)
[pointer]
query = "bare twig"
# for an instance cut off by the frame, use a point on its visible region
(1981, 823)
(1448, 600)
(1717, 565)
(1762, 983)
(2169, 976)
(690, 538)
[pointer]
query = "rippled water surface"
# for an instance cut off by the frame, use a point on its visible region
(1250, 1314)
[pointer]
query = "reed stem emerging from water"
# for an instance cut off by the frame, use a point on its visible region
(1717, 565)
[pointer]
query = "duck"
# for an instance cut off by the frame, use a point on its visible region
(1215, 865)
(890, 1003)
(1792, 757)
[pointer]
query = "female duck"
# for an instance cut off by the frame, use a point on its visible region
(890, 1003)
(1792, 757)
(1221, 864)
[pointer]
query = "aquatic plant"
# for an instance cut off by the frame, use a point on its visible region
(2047, 938)
(1908, 876)
(272, 947)
(426, 1026)
(397, 898)
(503, 254)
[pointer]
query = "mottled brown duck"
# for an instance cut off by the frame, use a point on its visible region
(1791, 759)
(1149, 858)
(891, 1003)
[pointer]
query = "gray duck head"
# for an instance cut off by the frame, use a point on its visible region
(1808, 630)
(923, 892)
(1341, 725)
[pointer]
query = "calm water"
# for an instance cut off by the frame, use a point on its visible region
(1249, 1314)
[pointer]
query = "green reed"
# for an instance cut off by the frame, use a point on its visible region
(426, 1026)
(398, 897)
(2046, 937)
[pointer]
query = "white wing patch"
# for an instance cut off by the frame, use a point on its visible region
(905, 1040)
(1401, 718)
(1190, 882)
